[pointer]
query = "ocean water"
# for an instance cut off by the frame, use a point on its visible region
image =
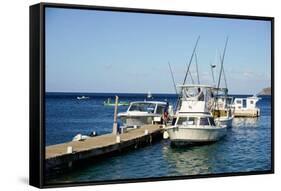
(246, 147)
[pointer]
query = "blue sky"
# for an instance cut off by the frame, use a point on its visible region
(98, 51)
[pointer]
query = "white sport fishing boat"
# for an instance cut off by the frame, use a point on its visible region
(223, 110)
(194, 123)
(143, 112)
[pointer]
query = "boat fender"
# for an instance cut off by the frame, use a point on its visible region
(165, 135)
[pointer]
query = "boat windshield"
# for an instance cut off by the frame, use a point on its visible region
(187, 121)
(207, 121)
(161, 109)
(144, 107)
(204, 121)
(229, 101)
(212, 122)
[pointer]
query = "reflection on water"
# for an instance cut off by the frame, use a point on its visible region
(188, 161)
(245, 122)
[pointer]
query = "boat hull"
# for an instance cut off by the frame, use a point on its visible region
(195, 135)
(224, 121)
(131, 121)
(247, 112)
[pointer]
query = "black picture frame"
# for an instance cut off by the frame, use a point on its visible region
(37, 92)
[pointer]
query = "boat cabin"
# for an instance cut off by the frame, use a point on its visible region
(246, 103)
(148, 107)
(195, 121)
(246, 107)
(224, 102)
(143, 112)
(195, 98)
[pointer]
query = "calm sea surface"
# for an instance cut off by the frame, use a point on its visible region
(247, 146)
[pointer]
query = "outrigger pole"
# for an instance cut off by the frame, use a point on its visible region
(190, 61)
(222, 60)
(173, 78)
(221, 69)
(224, 76)
(198, 80)
(187, 71)
(192, 81)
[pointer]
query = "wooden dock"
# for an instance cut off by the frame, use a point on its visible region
(66, 154)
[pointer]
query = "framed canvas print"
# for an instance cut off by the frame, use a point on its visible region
(123, 95)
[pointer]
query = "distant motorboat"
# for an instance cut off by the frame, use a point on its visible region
(149, 95)
(82, 97)
(109, 103)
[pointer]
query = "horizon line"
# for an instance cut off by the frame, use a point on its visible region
(131, 93)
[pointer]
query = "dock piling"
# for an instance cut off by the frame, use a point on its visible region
(118, 139)
(146, 132)
(69, 150)
(115, 125)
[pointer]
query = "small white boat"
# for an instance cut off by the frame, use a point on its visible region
(149, 95)
(194, 122)
(246, 107)
(80, 137)
(224, 121)
(82, 97)
(143, 112)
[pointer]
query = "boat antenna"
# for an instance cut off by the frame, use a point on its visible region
(172, 75)
(222, 60)
(190, 61)
(196, 61)
(212, 70)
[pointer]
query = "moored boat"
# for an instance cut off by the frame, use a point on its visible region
(143, 112)
(194, 122)
(195, 129)
(246, 107)
(223, 110)
(149, 95)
